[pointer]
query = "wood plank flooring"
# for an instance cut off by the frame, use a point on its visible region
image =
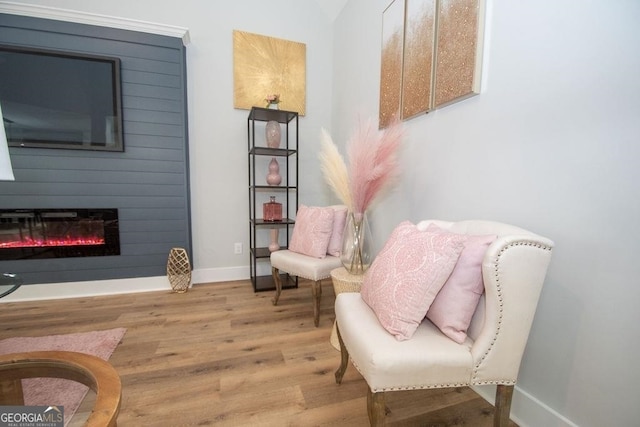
(221, 354)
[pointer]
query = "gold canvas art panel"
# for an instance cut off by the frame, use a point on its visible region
(419, 36)
(266, 65)
(391, 62)
(431, 55)
(457, 51)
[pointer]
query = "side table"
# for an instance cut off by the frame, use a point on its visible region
(343, 281)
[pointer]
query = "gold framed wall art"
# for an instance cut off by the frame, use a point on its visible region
(264, 66)
(439, 43)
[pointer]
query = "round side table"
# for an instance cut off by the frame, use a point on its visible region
(343, 281)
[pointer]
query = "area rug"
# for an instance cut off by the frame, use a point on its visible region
(56, 391)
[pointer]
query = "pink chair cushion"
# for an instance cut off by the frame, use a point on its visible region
(339, 220)
(405, 277)
(312, 231)
(456, 302)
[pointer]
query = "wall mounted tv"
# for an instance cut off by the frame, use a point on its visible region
(56, 99)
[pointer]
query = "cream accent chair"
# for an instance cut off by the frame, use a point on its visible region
(513, 269)
(314, 269)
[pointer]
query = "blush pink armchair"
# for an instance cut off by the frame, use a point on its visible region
(513, 270)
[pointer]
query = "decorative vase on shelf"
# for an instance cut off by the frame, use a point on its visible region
(357, 252)
(179, 270)
(272, 211)
(274, 178)
(273, 134)
(273, 106)
(274, 245)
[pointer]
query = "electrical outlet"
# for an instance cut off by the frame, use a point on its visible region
(237, 248)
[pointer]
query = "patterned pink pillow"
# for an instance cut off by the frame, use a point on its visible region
(312, 231)
(456, 302)
(405, 277)
(339, 220)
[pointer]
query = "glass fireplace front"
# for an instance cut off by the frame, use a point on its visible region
(58, 233)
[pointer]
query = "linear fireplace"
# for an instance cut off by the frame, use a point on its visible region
(58, 233)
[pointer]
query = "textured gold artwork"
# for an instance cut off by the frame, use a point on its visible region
(419, 36)
(391, 62)
(431, 55)
(456, 51)
(266, 65)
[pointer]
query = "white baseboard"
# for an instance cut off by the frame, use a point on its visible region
(209, 275)
(48, 291)
(526, 410)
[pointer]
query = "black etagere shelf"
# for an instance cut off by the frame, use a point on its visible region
(286, 192)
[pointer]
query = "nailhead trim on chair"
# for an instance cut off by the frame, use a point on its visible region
(499, 289)
(410, 388)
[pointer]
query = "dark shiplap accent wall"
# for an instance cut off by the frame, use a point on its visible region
(147, 183)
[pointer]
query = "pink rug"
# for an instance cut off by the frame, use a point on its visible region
(56, 391)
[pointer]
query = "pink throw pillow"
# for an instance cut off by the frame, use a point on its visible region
(405, 277)
(456, 302)
(339, 220)
(312, 231)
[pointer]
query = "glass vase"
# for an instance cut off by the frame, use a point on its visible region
(357, 243)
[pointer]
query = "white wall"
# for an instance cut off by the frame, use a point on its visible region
(552, 144)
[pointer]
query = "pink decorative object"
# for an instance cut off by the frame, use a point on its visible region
(406, 276)
(274, 178)
(272, 101)
(339, 221)
(373, 162)
(373, 166)
(456, 302)
(274, 245)
(273, 133)
(312, 231)
(272, 211)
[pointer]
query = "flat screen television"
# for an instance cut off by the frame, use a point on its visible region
(56, 99)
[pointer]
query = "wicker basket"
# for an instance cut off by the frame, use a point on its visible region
(179, 270)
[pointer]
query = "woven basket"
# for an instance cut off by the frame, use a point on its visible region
(179, 270)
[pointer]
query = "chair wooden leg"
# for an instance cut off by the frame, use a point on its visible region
(316, 291)
(344, 358)
(276, 279)
(375, 408)
(504, 393)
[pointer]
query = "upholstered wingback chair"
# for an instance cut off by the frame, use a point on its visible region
(513, 270)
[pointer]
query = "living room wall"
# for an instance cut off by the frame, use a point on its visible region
(552, 145)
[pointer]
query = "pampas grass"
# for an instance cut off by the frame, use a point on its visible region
(334, 169)
(373, 164)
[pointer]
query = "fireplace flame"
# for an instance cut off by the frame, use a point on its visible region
(39, 243)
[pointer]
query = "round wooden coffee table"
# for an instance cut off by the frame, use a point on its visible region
(343, 281)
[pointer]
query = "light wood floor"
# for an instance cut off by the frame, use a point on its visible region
(221, 354)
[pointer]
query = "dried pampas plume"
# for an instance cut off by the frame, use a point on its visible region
(334, 169)
(373, 162)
